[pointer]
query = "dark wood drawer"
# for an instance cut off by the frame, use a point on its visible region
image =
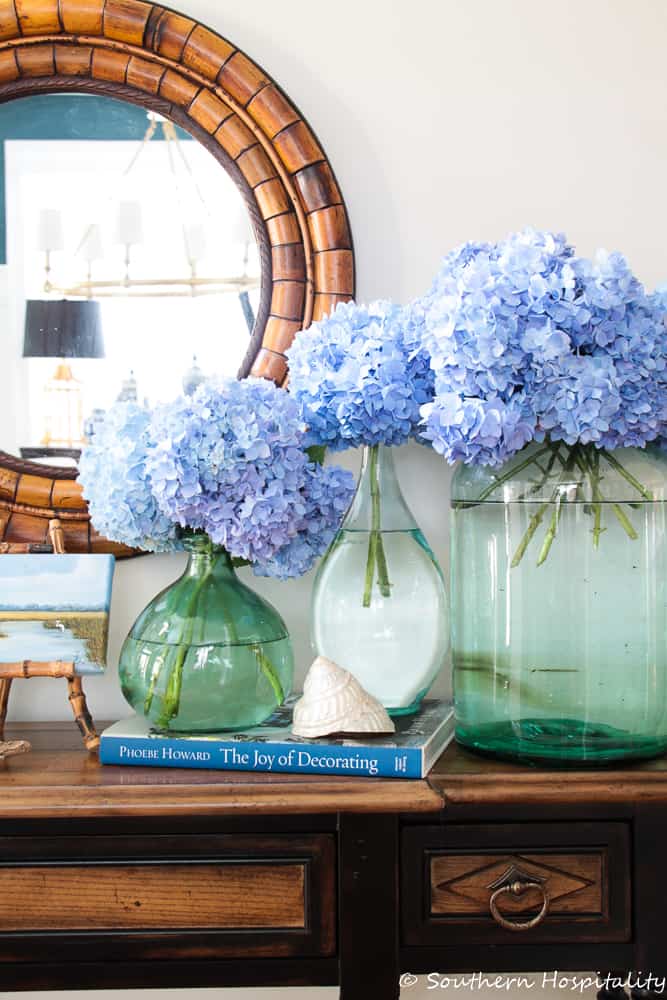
(497, 883)
(144, 898)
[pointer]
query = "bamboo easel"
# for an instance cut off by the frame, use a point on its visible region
(56, 668)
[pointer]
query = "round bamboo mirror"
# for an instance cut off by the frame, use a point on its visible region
(207, 90)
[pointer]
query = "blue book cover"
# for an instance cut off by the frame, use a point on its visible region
(410, 752)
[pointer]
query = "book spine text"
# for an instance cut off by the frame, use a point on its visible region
(382, 762)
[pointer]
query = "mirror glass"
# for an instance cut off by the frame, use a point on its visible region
(128, 267)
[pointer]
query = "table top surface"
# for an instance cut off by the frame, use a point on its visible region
(59, 778)
(465, 778)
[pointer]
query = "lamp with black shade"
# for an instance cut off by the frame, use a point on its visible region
(63, 329)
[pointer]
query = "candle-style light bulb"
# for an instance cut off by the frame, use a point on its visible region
(50, 230)
(129, 228)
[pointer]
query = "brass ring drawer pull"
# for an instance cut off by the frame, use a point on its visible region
(518, 889)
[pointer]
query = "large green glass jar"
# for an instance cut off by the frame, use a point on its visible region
(559, 605)
(208, 653)
(379, 606)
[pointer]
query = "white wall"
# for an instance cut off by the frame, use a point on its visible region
(448, 120)
(445, 121)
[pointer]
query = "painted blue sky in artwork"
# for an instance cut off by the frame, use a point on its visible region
(55, 582)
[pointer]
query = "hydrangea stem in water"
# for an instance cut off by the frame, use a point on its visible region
(172, 697)
(589, 467)
(157, 660)
(176, 655)
(587, 459)
(555, 500)
(376, 558)
(269, 671)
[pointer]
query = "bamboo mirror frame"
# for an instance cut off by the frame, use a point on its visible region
(153, 56)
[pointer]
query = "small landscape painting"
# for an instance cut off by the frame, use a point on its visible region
(55, 607)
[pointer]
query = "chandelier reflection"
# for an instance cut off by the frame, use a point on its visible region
(129, 233)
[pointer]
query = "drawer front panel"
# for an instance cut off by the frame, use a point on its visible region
(462, 884)
(159, 897)
(152, 897)
(516, 884)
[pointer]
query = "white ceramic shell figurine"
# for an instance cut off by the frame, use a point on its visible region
(334, 701)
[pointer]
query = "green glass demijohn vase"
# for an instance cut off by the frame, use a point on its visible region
(208, 653)
(559, 605)
(379, 606)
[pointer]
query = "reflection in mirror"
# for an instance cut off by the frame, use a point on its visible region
(128, 267)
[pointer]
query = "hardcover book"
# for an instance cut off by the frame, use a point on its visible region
(410, 752)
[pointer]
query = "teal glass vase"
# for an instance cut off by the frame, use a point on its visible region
(208, 653)
(379, 606)
(559, 605)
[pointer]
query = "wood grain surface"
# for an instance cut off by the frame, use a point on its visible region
(462, 883)
(58, 776)
(464, 778)
(59, 779)
(151, 896)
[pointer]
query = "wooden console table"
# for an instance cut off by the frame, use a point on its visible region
(127, 877)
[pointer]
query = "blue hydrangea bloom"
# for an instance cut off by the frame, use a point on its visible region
(229, 460)
(361, 375)
(527, 341)
(112, 471)
(327, 493)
